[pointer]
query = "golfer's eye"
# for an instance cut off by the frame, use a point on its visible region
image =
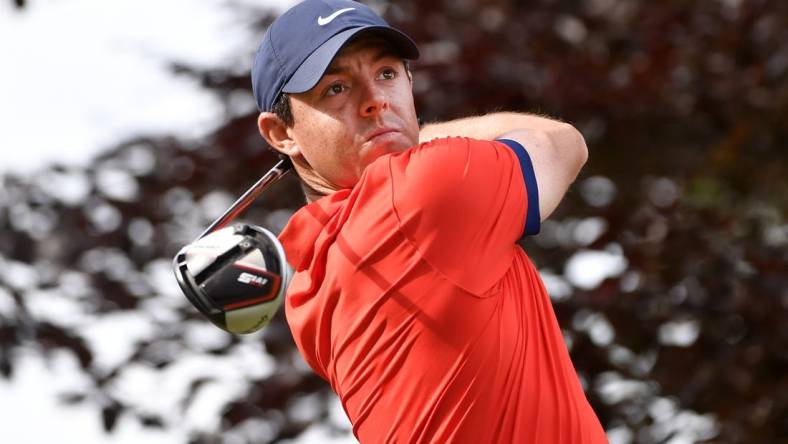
(336, 88)
(388, 74)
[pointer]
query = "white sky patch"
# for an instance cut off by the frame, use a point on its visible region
(201, 335)
(681, 333)
(113, 337)
(8, 306)
(18, 275)
(556, 286)
(302, 408)
(571, 29)
(587, 269)
(337, 415)
(30, 398)
(82, 75)
(161, 392)
(620, 435)
(596, 325)
(57, 308)
(598, 191)
(588, 230)
(205, 411)
(215, 203)
(117, 184)
(319, 433)
(613, 388)
(159, 275)
(68, 187)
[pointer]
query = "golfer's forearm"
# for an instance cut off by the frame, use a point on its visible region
(492, 126)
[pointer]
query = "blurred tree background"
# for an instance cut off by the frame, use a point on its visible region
(667, 262)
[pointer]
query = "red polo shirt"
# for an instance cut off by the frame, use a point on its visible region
(413, 300)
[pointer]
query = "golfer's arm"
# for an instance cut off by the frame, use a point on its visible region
(557, 150)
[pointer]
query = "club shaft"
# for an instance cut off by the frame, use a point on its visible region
(243, 202)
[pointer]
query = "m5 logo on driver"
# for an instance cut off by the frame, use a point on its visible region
(257, 281)
(324, 21)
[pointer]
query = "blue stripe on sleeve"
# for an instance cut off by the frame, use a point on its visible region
(532, 219)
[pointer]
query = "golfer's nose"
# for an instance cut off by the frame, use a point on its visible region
(374, 100)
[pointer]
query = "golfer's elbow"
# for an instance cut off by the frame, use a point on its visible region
(571, 145)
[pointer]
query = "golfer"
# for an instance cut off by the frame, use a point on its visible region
(410, 294)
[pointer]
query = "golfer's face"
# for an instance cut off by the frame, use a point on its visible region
(361, 109)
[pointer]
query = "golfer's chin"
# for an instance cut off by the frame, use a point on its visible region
(388, 143)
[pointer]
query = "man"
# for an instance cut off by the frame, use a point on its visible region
(410, 295)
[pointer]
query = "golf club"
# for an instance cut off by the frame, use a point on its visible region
(236, 275)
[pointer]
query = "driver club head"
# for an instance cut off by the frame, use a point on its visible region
(236, 276)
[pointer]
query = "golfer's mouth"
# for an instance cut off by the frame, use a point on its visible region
(381, 134)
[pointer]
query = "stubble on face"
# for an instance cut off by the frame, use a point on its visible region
(360, 110)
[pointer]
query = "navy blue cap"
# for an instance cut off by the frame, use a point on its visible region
(300, 44)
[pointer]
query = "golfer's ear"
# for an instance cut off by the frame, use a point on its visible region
(276, 133)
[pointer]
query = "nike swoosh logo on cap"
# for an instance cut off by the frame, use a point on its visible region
(324, 21)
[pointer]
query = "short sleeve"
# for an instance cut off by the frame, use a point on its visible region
(533, 221)
(464, 204)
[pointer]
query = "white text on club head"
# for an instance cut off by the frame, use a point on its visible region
(257, 281)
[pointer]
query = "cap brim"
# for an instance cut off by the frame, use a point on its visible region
(309, 73)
